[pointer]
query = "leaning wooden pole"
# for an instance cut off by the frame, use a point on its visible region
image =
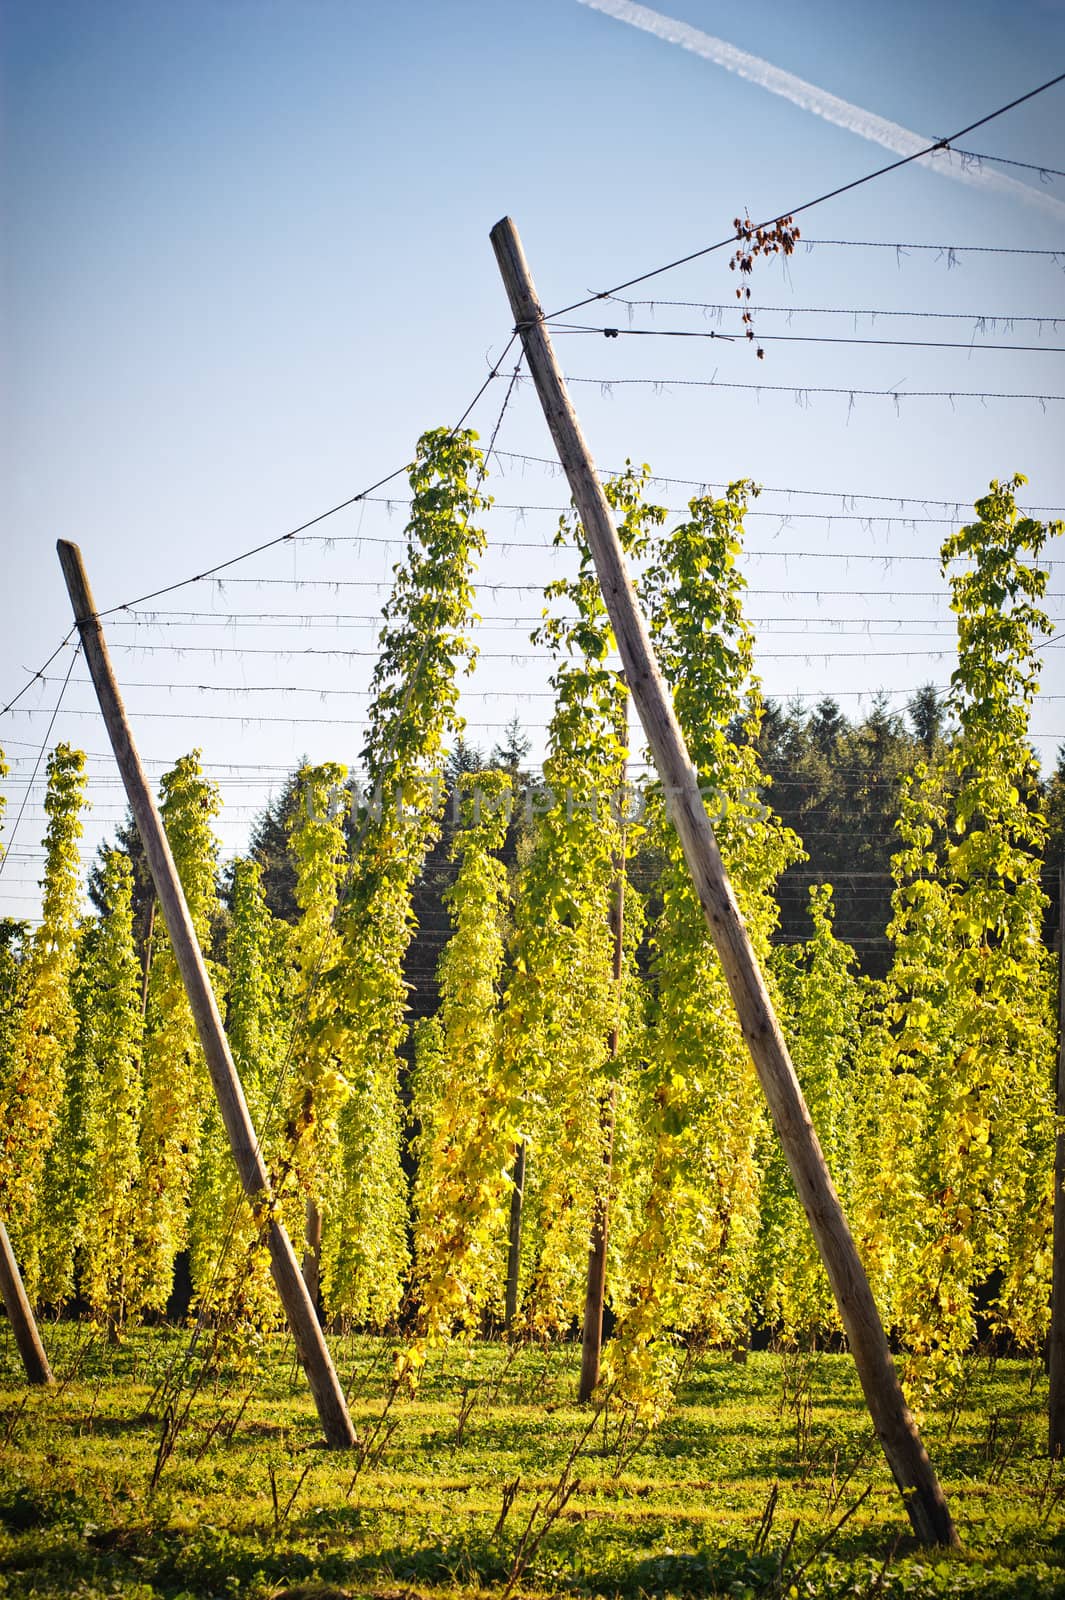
(20, 1315)
(895, 1427)
(1056, 1351)
(308, 1336)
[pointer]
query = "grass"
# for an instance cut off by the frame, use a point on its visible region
(737, 1494)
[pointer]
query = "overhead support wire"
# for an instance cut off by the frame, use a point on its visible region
(38, 675)
(948, 251)
(703, 484)
(334, 621)
(523, 508)
(285, 538)
(945, 144)
(829, 652)
(802, 391)
(5, 855)
(803, 338)
(808, 205)
(989, 318)
(335, 584)
(280, 539)
(1003, 161)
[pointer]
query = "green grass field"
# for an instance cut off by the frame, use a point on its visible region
(737, 1494)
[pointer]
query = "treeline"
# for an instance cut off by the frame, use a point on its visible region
(480, 1022)
(836, 781)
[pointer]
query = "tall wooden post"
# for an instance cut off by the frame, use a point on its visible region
(1056, 1351)
(517, 1201)
(309, 1340)
(20, 1315)
(595, 1288)
(895, 1427)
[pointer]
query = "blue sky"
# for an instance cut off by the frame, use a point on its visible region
(246, 262)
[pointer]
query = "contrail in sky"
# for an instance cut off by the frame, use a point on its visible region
(810, 98)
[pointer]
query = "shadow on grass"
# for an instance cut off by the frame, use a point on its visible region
(209, 1561)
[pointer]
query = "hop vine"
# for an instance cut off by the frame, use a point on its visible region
(44, 1034)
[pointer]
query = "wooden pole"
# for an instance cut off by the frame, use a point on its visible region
(309, 1340)
(1056, 1350)
(595, 1289)
(20, 1315)
(517, 1200)
(895, 1427)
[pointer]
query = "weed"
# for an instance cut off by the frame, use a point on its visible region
(245, 1505)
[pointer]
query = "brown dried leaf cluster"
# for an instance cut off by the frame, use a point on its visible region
(778, 238)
